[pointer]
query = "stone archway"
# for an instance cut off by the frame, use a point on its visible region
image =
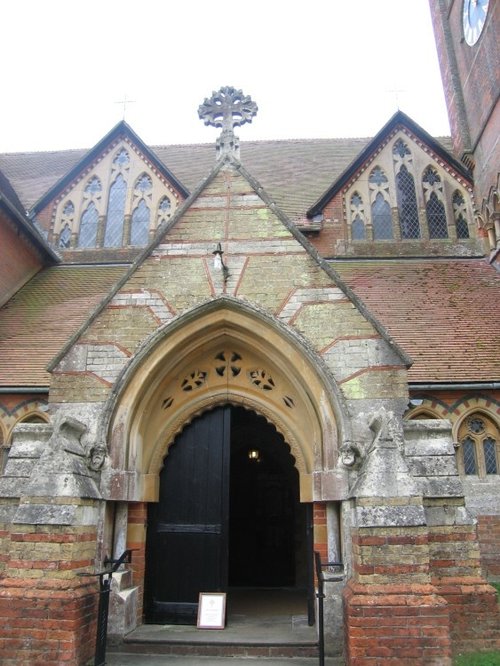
(225, 354)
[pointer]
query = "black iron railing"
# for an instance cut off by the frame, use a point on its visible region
(335, 574)
(105, 576)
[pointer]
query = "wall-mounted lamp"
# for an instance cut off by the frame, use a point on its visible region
(219, 264)
(254, 455)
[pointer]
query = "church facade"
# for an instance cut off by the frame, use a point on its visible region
(227, 359)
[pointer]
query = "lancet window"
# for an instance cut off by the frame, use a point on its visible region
(381, 209)
(460, 215)
(405, 189)
(358, 231)
(434, 204)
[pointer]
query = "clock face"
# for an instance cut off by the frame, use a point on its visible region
(474, 17)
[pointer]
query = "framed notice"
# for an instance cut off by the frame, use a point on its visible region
(211, 610)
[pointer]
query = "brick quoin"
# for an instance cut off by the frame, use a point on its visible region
(400, 624)
(47, 610)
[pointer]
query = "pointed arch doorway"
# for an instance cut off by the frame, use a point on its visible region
(228, 516)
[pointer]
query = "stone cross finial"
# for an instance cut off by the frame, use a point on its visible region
(228, 108)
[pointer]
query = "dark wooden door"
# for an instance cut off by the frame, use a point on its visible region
(187, 550)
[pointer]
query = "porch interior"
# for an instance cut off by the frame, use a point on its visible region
(254, 616)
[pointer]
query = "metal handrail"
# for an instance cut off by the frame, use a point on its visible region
(320, 595)
(105, 576)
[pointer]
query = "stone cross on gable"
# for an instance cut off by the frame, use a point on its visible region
(227, 108)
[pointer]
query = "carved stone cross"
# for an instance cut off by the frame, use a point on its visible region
(228, 108)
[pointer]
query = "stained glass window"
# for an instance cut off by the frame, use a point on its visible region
(381, 218)
(116, 213)
(144, 183)
(460, 213)
(88, 226)
(165, 205)
(94, 186)
(490, 457)
(407, 204)
(121, 158)
(479, 436)
(65, 237)
(469, 453)
(436, 215)
(358, 229)
(381, 210)
(68, 209)
(164, 208)
(140, 224)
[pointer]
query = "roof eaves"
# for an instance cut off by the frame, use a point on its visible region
(121, 129)
(399, 118)
(30, 230)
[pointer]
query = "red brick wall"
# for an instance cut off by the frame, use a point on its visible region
(47, 611)
(456, 576)
(136, 539)
(18, 262)
(488, 528)
(395, 624)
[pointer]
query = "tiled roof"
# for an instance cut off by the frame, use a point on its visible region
(40, 318)
(444, 313)
(295, 173)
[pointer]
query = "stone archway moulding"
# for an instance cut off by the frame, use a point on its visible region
(221, 354)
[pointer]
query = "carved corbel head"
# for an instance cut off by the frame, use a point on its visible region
(350, 455)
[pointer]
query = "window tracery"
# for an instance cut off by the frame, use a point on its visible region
(381, 209)
(434, 206)
(358, 231)
(164, 210)
(119, 204)
(460, 215)
(478, 446)
(408, 197)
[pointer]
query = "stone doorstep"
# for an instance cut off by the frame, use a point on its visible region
(283, 636)
(216, 650)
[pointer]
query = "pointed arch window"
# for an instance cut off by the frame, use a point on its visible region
(116, 213)
(407, 204)
(381, 210)
(460, 215)
(164, 210)
(140, 224)
(67, 220)
(358, 231)
(479, 446)
(65, 237)
(405, 191)
(88, 226)
(434, 206)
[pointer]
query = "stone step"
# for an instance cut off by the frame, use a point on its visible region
(262, 651)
